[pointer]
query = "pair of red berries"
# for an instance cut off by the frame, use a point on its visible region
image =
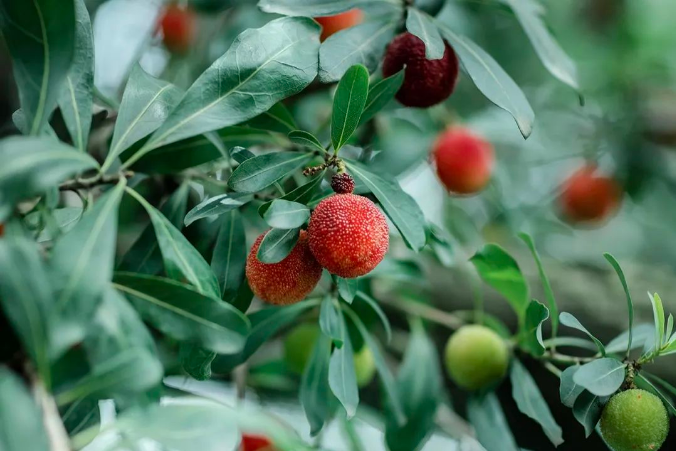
(347, 235)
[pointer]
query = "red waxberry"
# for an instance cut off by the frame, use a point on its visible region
(349, 236)
(338, 22)
(588, 196)
(2, 229)
(342, 183)
(426, 82)
(255, 443)
(178, 28)
(288, 281)
(464, 160)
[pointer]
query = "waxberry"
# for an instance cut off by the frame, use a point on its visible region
(334, 24)
(178, 29)
(426, 82)
(589, 197)
(252, 442)
(348, 235)
(342, 183)
(464, 160)
(476, 357)
(288, 281)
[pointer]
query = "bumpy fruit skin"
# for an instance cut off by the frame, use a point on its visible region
(334, 24)
(589, 197)
(298, 346)
(288, 281)
(342, 183)
(634, 420)
(178, 29)
(476, 357)
(255, 443)
(426, 82)
(464, 161)
(349, 236)
(364, 366)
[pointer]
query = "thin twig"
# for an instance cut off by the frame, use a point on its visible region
(88, 183)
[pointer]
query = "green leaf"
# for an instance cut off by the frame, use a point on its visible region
(310, 8)
(315, 393)
(145, 256)
(536, 315)
(29, 166)
(331, 321)
(491, 79)
(658, 315)
(306, 139)
(133, 370)
(196, 361)
(490, 424)
(216, 206)
(243, 84)
(639, 334)
(277, 119)
(40, 36)
(587, 411)
(499, 270)
(645, 381)
(77, 94)
(348, 104)
(531, 403)
(549, 293)
(262, 171)
(184, 314)
(264, 324)
(569, 390)
(229, 258)
(558, 63)
(362, 44)
(181, 260)
(81, 268)
(303, 194)
(277, 245)
(420, 386)
(602, 377)
(284, 214)
(421, 25)
(383, 370)
(630, 305)
(373, 304)
(401, 208)
(146, 104)
(347, 288)
(26, 298)
(342, 376)
(569, 320)
(21, 420)
(380, 94)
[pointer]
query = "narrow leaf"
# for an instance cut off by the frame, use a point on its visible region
(630, 305)
(380, 94)
(549, 293)
(379, 312)
(331, 321)
(342, 376)
(490, 424)
(569, 320)
(658, 315)
(569, 390)
(315, 394)
(262, 171)
(587, 411)
(306, 139)
(645, 381)
(277, 245)
(536, 315)
(229, 258)
(303, 194)
(348, 104)
(422, 26)
(284, 214)
(277, 119)
(347, 288)
(216, 206)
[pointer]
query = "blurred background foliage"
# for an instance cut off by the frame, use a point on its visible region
(624, 118)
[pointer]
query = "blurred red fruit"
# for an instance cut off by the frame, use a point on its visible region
(255, 443)
(348, 235)
(178, 28)
(588, 196)
(464, 161)
(288, 281)
(334, 24)
(426, 82)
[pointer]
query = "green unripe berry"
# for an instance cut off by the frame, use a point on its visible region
(476, 357)
(634, 420)
(300, 343)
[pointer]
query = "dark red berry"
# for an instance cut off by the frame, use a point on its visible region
(342, 183)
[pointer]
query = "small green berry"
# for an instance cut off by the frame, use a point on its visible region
(476, 357)
(634, 420)
(364, 366)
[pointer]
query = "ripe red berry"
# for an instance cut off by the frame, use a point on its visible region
(426, 82)
(338, 22)
(588, 196)
(464, 160)
(348, 235)
(178, 29)
(255, 443)
(288, 281)
(342, 183)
